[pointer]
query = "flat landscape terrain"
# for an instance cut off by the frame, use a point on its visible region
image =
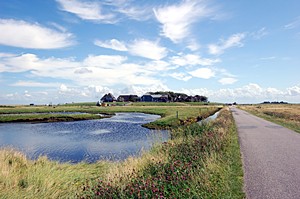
(200, 161)
(287, 115)
(173, 114)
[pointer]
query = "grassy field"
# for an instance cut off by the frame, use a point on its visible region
(47, 117)
(172, 115)
(287, 115)
(199, 162)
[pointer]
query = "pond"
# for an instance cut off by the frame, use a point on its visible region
(114, 138)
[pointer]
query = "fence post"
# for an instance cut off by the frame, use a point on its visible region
(177, 114)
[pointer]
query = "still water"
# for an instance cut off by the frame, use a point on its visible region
(114, 138)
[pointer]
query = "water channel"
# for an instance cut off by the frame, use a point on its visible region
(114, 138)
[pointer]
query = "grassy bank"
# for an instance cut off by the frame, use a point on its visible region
(48, 117)
(23, 178)
(199, 162)
(287, 115)
(172, 115)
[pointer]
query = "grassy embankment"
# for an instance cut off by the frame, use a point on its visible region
(200, 162)
(287, 115)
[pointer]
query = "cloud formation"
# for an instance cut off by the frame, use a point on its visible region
(86, 10)
(181, 76)
(177, 19)
(191, 60)
(112, 44)
(22, 34)
(227, 80)
(95, 69)
(233, 41)
(293, 24)
(31, 84)
(204, 73)
(147, 49)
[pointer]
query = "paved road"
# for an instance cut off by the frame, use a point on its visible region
(271, 158)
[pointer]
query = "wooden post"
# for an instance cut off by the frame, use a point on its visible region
(177, 114)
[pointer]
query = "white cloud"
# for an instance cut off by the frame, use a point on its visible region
(177, 19)
(134, 12)
(148, 49)
(106, 61)
(158, 65)
(140, 90)
(259, 34)
(204, 73)
(63, 88)
(82, 71)
(42, 67)
(197, 91)
(3, 55)
(112, 44)
(181, 76)
(250, 93)
(86, 10)
(22, 34)
(293, 24)
(227, 80)
(232, 41)
(191, 59)
(34, 84)
(97, 70)
(294, 91)
(193, 45)
(139, 47)
(131, 9)
(268, 58)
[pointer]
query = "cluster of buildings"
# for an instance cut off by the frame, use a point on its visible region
(134, 98)
(150, 97)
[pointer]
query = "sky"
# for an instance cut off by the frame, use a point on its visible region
(63, 51)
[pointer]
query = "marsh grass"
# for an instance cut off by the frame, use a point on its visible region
(287, 115)
(41, 178)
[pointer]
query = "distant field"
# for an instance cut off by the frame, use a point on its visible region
(287, 115)
(173, 114)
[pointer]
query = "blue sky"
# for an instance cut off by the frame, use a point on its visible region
(63, 51)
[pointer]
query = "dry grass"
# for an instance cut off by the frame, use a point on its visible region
(287, 115)
(23, 178)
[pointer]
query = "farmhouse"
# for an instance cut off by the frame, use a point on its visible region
(108, 98)
(154, 98)
(128, 98)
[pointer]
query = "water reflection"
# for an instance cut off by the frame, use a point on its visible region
(113, 138)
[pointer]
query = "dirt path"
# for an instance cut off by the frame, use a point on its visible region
(271, 158)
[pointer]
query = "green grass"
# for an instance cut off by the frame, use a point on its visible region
(186, 114)
(47, 117)
(198, 162)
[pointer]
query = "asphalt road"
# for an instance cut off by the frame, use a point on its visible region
(271, 158)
